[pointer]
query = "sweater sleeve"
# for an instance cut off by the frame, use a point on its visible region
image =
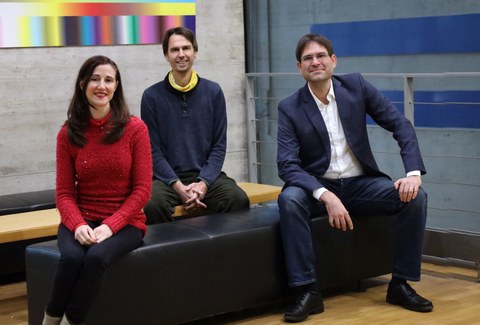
(161, 168)
(141, 179)
(70, 214)
(213, 166)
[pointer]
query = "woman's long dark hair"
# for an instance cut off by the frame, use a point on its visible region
(79, 113)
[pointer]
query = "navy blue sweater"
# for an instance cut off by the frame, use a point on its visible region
(188, 130)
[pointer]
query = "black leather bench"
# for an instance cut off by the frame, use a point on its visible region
(195, 268)
(27, 201)
(12, 254)
(31, 217)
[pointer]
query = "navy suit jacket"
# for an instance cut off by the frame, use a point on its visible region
(303, 151)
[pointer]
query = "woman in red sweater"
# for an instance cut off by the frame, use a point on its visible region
(104, 178)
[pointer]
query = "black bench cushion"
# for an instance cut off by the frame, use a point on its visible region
(195, 268)
(27, 201)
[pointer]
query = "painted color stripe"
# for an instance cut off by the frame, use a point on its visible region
(101, 1)
(148, 26)
(96, 9)
(53, 28)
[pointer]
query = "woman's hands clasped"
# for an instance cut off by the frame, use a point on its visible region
(88, 236)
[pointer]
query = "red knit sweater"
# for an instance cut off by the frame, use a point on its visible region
(109, 183)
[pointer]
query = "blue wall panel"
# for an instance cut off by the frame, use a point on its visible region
(426, 35)
(440, 109)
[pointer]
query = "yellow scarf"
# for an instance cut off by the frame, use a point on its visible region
(193, 82)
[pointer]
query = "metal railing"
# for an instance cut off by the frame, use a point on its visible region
(408, 101)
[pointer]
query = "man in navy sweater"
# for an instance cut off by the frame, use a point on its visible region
(187, 121)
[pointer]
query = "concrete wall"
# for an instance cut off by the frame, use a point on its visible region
(36, 85)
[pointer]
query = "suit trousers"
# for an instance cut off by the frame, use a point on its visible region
(362, 196)
(81, 270)
(223, 195)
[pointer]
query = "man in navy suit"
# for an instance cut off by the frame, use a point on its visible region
(324, 158)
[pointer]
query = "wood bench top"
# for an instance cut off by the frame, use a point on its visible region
(44, 223)
(29, 225)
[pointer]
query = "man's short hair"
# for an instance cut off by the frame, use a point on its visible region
(308, 38)
(185, 32)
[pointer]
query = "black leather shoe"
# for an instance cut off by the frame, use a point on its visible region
(308, 303)
(403, 294)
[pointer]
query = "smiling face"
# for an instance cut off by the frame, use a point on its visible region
(180, 54)
(100, 90)
(315, 64)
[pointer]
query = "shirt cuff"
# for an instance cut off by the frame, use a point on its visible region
(414, 173)
(318, 193)
(172, 182)
(201, 179)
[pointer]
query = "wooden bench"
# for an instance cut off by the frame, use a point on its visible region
(44, 223)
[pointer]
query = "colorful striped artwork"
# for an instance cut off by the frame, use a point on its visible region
(34, 23)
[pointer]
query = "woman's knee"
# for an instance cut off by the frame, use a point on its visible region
(71, 259)
(95, 260)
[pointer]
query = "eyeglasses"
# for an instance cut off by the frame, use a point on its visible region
(319, 56)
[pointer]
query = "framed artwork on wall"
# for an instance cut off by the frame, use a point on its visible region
(37, 23)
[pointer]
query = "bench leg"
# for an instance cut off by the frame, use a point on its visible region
(359, 287)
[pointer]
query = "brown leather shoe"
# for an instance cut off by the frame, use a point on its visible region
(403, 294)
(310, 302)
